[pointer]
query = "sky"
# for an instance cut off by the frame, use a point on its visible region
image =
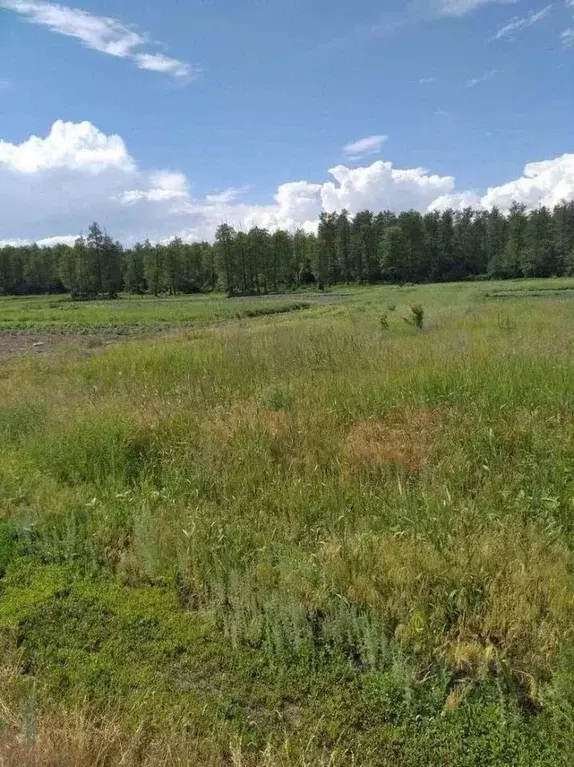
(168, 119)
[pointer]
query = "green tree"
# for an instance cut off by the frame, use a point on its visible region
(173, 265)
(540, 258)
(283, 257)
(563, 234)
(326, 252)
(364, 247)
(304, 254)
(446, 247)
(507, 263)
(416, 267)
(394, 255)
(154, 267)
(225, 255)
(343, 246)
(134, 270)
(495, 236)
(431, 223)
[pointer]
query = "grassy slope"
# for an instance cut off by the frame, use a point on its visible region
(300, 540)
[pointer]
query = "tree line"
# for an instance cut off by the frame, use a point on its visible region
(408, 247)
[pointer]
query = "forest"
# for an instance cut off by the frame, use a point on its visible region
(368, 248)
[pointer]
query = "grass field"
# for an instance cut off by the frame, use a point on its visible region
(131, 313)
(291, 539)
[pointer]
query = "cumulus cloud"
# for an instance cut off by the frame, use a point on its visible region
(548, 183)
(509, 30)
(381, 186)
(456, 201)
(99, 33)
(568, 37)
(542, 183)
(76, 146)
(77, 174)
(364, 146)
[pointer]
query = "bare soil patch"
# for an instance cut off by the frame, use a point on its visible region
(27, 343)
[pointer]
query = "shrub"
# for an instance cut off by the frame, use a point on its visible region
(417, 316)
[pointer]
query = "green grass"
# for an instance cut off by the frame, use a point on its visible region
(128, 314)
(296, 539)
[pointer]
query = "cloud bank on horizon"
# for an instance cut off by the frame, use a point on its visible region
(54, 186)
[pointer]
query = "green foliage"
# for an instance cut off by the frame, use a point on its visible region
(416, 317)
(368, 248)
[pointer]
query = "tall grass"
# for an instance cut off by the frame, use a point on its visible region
(369, 535)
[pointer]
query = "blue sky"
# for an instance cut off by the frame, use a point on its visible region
(219, 106)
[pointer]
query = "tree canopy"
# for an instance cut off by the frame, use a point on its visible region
(410, 247)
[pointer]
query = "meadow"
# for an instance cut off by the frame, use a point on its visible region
(266, 537)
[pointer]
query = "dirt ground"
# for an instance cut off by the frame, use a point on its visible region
(44, 343)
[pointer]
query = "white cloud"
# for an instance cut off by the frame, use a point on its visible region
(380, 186)
(462, 7)
(77, 174)
(75, 146)
(157, 62)
(227, 196)
(5, 85)
(456, 201)
(474, 81)
(542, 183)
(364, 146)
(426, 80)
(509, 30)
(568, 37)
(548, 182)
(100, 33)
(163, 186)
(64, 239)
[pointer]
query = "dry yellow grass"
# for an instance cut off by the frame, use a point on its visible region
(406, 438)
(223, 423)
